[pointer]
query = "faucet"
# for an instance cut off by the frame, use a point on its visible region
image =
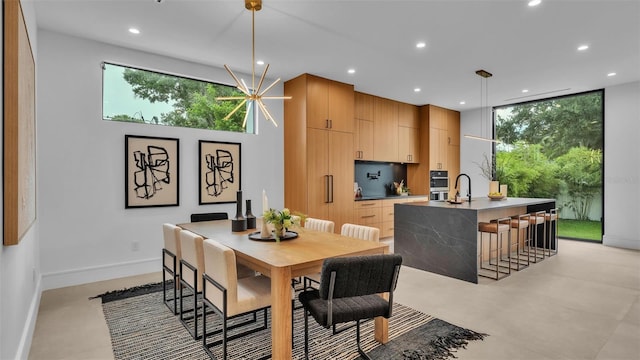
(468, 178)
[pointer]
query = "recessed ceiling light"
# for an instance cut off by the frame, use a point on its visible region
(260, 62)
(462, 102)
(421, 44)
(611, 74)
(351, 71)
(534, 2)
(525, 90)
(416, 90)
(134, 31)
(583, 47)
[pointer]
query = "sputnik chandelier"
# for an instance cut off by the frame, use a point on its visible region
(252, 96)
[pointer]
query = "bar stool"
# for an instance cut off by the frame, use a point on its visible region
(498, 228)
(519, 223)
(535, 220)
(551, 219)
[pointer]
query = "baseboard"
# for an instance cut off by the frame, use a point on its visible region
(633, 244)
(90, 274)
(30, 324)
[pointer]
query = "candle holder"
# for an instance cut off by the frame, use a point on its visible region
(251, 219)
(239, 222)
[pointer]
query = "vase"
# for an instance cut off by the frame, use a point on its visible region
(251, 219)
(239, 222)
(494, 187)
(279, 231)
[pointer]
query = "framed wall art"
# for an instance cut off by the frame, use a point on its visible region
(219, 175)
(19, 116)
(151, 171)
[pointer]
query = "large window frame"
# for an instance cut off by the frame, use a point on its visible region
(190, 102)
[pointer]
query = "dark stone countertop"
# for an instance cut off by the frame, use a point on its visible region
(381, 197)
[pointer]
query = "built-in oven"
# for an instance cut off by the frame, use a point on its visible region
(438, 185)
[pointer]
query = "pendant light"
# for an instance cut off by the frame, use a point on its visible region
(252, 96)
(484, 103)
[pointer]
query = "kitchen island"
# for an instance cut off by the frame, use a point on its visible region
(442, 238)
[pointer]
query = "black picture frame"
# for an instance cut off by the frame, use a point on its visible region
(151, 171)
(219, 173)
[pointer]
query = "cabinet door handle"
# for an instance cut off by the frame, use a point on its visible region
(331, 187)
(369, 204)
(367, 216)
(330, 124)
(326, 123)
(326, 189)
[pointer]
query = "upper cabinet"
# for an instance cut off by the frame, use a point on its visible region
(332, 104)
(363, 126)
(408, 133)
(385, 129)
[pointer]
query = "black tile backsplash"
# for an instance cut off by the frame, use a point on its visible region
(376, 178)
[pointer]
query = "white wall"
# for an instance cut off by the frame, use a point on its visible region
(622, 166)
(86, 234)
(19, 264)
(621, 162)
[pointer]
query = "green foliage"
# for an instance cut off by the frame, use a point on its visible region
(527, 171)
(580, 169)
(557, 124)
(194, 101)
(126, 118)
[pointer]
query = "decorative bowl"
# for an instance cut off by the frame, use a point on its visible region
(496, 197)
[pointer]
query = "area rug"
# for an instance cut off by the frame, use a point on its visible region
(142, 327)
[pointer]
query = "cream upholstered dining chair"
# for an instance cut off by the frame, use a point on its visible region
(171, 256)
(191, 270)
(230, 296)
(361, 232)
(319, 225)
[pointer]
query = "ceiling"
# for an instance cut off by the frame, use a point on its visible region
(533, 48)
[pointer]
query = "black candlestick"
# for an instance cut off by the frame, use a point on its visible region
(239, 223)
(251, 219)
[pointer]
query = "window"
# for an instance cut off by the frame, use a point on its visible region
(553, 148)
(142, 96)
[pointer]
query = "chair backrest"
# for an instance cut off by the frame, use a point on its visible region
(171, 234)
(191, 249)
(361, 232)
(209, 216)
(220, 262)
(359, 275)
(319, 225)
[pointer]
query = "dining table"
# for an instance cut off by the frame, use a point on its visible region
(302, 254)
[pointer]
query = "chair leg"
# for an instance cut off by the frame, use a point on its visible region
(306, 335)
(362, 353)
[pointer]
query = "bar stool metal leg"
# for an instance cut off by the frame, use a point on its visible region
(520, 224)
(551, 221)
(498, 228)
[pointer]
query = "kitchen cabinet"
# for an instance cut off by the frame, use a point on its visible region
(318, 173)
(385, 129)
(330, 104)
(408, 133)
(439, 143)
(363, 126)
(380, 213)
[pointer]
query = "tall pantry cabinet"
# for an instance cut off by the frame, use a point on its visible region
(318, 148)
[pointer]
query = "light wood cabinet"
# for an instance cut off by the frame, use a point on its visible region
(408, 145)
(330, 106)
(439, 143)
(385, 129)
(363, 126)
(408, 116)
(380, 213)
(318, 179)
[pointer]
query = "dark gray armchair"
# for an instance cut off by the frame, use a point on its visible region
(349, 288)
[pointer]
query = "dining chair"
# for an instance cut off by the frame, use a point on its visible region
(171, 256)
(319, 225)
(209, 216)
(350, 289)
(191, 270)
(360, 232)
(230, 296)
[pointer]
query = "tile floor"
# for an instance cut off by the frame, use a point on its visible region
(581, 304)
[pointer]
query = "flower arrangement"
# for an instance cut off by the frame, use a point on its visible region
(282, 220)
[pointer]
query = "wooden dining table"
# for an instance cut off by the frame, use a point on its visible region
(285, 260)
